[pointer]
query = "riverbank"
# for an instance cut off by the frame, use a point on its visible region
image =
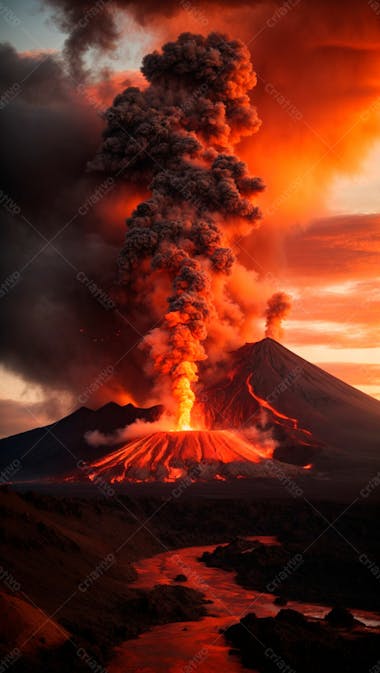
(74, 559)
(202, 645)
(290, 642)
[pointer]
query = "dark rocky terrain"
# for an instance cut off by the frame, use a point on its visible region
(72, 558)
(336, 567)
(290, 642)
(54, 450)
(66, 569)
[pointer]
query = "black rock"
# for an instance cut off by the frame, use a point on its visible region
(280, 600)
(340, 617)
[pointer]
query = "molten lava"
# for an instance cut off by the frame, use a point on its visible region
(182, 392)
(264, 404)
(197, 455)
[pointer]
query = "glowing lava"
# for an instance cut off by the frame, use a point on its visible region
(196, 454)
(184, 395)
(265, 405)
(277, 414)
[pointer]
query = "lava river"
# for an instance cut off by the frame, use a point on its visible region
(199, 646)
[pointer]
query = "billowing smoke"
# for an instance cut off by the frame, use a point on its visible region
(62, 333)
(139, 428)
(278, 307)
(177, 137)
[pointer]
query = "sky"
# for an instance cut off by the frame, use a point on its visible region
(318, 152)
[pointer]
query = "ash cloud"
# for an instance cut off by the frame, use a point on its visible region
(178, 237)
(44, 313)
(318, 43)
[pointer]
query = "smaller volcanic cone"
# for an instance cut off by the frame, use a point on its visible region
(197, 455)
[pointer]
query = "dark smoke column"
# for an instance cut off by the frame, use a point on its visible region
(278, 307)
(177, 137)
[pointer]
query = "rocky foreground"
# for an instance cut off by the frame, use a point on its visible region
(67, 565)
(329, 570)
(66, 597)
(290, 642)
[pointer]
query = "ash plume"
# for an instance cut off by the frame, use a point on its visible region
(278, 307)
(181, 148)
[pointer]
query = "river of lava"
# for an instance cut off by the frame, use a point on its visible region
(264, 404)
(169, 456)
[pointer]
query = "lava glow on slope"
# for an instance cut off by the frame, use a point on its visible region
(194, 454)
(264, 404)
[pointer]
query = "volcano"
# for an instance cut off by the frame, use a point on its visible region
(269, 407)
(196, 454)
(314, 416)
(52, 451)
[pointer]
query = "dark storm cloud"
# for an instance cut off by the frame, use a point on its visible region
(56, 331)
(94, 25)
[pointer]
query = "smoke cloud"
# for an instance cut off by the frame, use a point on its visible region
(60, 330)
(139, 428)
(309, 134)
(277, 309)
(181, 147)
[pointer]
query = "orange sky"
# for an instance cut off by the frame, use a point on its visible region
(318, 151)
(318, 95)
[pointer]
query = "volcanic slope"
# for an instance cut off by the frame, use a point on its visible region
(196, 454)
(309, 411)
(53, 450)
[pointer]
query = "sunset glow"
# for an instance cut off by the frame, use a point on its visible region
(316, 151)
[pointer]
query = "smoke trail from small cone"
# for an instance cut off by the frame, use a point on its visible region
(176, 137)
(277, 309)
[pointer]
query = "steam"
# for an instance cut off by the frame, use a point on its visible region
(177, 137)
(277, 309)
(139, 428)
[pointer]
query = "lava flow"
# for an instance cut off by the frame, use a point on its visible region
(264, 404)
(196, 454)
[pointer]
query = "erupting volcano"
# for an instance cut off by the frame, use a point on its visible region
(272, 414)
(271, 406)
(195, 454)
(176, 138)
